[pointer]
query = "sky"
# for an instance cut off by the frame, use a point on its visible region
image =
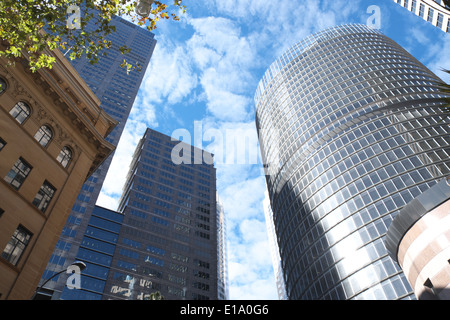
(202, 78)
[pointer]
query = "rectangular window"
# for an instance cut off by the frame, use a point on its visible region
(16, 245)
(430, 15)
(421, 10)
(44, 196)
(413, 6)
(440, 20)
(17, 175)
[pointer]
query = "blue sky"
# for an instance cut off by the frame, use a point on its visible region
(205, 70)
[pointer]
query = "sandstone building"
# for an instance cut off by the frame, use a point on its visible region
(52, 137)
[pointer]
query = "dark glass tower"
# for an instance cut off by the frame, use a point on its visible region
(165, 237)
(351, 131)
(117, 92)
(168, 240)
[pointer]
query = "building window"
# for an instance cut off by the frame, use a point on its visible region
(20, 112)
(430, 15)
(64, 156)
(16, 245)
(413, 6)
(421, 10)
(2, 143)
(44, 135)
(44, 196)
(440, 20)
(17, 175)
(2, 85)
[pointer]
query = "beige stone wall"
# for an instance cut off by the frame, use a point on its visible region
(60, 99)
(424, 253)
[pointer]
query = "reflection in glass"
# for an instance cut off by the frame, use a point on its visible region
(20, 112)
(357, 118)
(43, 135)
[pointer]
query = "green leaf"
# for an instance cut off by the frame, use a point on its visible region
(22, 20)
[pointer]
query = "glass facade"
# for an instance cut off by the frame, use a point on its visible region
(117, 92)
(351, 130)
(168, 240)
(274, 250)
(222, 251)
(96, 251)
(168, 236)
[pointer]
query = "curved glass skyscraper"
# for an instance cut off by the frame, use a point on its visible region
(351, 130)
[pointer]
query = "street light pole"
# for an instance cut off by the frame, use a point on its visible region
(81, 265)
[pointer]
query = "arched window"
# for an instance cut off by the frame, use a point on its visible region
(3, 85)
(20, 112)
(64, 157)
(44, 135)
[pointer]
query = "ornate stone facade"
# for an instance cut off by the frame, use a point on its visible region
(46, 154)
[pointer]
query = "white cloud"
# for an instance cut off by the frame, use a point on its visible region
(118, 170)
(107, 201)
(222, 103)
(243, 197)
(420, 36)
(258, 289)
(276, 25)
(243, 8)
(439, 58)
(241, 187)
(251, 273)
(253, 230)
(224, 58)
(232, 142)
(143, 111)
(435, 56)
(169, 76)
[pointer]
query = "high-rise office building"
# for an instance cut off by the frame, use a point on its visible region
(169, 232)
(351, 129)
(164, 237)
(436, 12)
(117, 91)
